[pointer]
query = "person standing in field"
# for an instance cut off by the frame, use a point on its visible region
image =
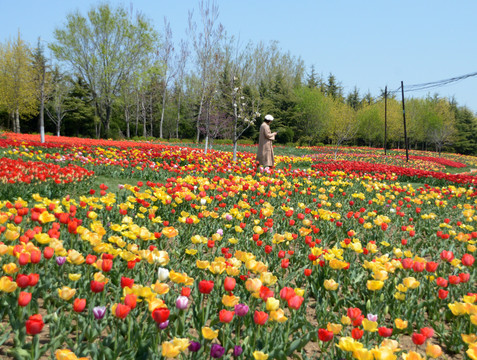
(265, 148)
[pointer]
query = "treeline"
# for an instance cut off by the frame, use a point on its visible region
(113, 75)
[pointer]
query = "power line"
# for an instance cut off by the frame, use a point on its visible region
(434, 84)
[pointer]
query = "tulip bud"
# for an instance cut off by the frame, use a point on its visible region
(368, 305)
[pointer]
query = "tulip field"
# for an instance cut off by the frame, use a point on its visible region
(143, 250)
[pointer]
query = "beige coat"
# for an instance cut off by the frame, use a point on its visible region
(265, 148)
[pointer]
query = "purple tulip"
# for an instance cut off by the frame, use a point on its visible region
(163, 325)
(241, 309)
(99, 312)
(237, 351)
(194, 346)
(60, 260)
(217, 351)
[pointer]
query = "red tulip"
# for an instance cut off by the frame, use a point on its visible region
(160, 315)
(418, 338)
(447, 255)
(295, 302)
(431, 266)
(79, 305)
(307, 272)
(226, 316)
(427, 332)
(97, 286)
(418, 266)
(22, 281)
(24, 259)
(454, 279)
(90, 259)
(206, 286)
(229, 283)
(266, 293)
(357, 333)
(34, 324)
(325, 335)
(35, 256)
(48, 252)
(467, 260)
(260, 317)
(185, 291)
(441, 282)
(464, 277)
(24, 298)
(107, 265)
(126, 282)
(286, 293)
(33, 279)
(122, 311)
(130, 300)
(407, 263)
(385, 332)
(442, 294)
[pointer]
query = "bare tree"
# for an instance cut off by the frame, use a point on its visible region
(206, 44)
(58, 107)
(181, 60)
(166, 53)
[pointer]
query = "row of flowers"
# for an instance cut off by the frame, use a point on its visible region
(243, 266)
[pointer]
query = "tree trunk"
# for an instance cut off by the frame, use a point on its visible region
(126, 118)
(198, 116)
(17, 121)
(144, 120)
(178, 115)
(162, 112)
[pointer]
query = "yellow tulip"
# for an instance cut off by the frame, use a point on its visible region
(209, 334)
(469, 339)
(345, 320)
(412, 355)
(160, 288)
(10, 268)
(374, 285)
(74, 277)
(331, 285)
(272, 304)
(434, 351)
(6, 285)
(363, 354)
(278, 316)
(349, 344)
(11, 235)
(411, 283)
(182, 344)
(202, 264)
(66, 293)
(401, 324)
(258, 355)
(371, 326)
(472, 351)
(334, 328)
(253, 285)
(170, 232)
(169, 350)
(65, 355)
(230, 300)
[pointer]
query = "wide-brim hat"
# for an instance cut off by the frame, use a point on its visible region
(269, 117)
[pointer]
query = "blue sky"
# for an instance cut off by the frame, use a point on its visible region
(368, 43)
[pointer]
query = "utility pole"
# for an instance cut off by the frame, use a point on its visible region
(404, 119)
(385, 118)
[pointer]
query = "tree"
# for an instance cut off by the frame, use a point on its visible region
(371, 124)
(353, 99)
(342, 125)
(17, 81)
(42, 79)
(104, 49)
(168, 72)
(206, 44)
(466, 126)
(180, 64)
(312, 110)
(57, 108)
